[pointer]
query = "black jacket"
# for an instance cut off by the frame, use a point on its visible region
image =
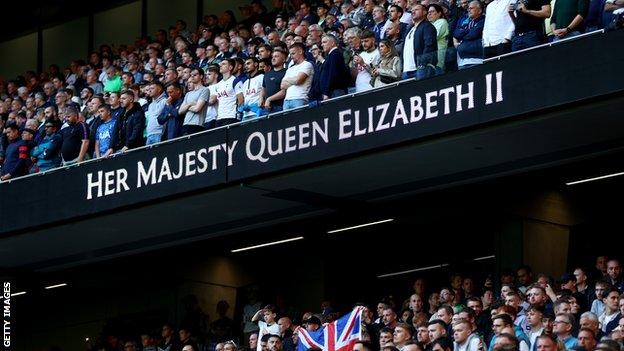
(334, 73)
(128, 130)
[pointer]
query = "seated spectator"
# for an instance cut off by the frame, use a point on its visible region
(388, 69)
(468, 38)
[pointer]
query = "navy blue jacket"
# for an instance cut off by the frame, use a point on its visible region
(171, 119)
(17, 159)
(334, 73)
(425, 42)
(471, 37)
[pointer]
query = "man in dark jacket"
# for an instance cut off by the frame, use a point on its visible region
(128, 131)
(170, 117)
(420, 52)
(335, 76)
(17, 159)
(468, 37)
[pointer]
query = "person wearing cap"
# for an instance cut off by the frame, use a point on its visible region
(47, 152)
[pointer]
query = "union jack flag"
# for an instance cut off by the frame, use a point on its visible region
(339, 335)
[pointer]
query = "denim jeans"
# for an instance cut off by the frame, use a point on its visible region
(569, 35)
(525, 41)
(290, 104)
(153, 139)
(421, 72)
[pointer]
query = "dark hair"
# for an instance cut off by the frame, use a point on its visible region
(438, 321)
(396, 7)
(471, 313)
(504, 317)
(104, 106)
(386, 330)
(444, 342)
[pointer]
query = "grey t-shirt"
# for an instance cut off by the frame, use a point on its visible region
(192, 118)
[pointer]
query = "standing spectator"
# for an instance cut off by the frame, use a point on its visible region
(268, 324)
(248, 97)
(114, 82)
(388, 70)
(113, 101)
(104, 133)
(298, 78)
(435, 15)
(379, 18)
(129, 127)
(498, 29)
(395, 13)
(16, 155)
(334, 76)
(365, 60)
(421, 48)
(528, 17)
(195, 104)
(212, 78)
(468, 37)
(226, 94)
(271, 96)
(169, 117)
(156, 92)
(75, 138)
(567, 18)
(47, 151)
(394, 35)
(92, 82)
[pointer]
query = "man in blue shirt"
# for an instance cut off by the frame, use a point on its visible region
(104, 133)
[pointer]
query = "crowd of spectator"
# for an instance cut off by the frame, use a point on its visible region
(184, 81)
(519, 311)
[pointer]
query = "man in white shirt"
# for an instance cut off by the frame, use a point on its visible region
(212, 78)
(498, 29)
(535, 327)
(611, 308)
(226, 95)
(298, 78)
(249, 94)
(365, 60)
